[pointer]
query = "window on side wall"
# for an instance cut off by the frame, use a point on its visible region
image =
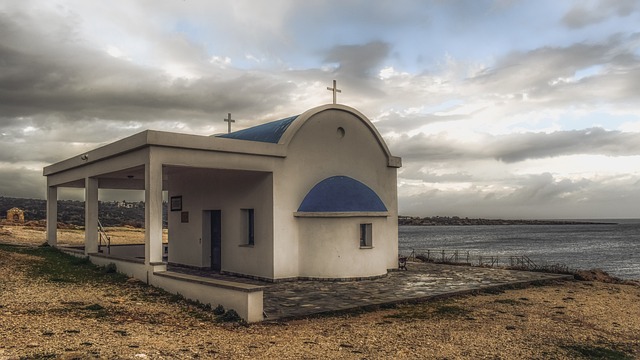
(248, 219)
(365, 236)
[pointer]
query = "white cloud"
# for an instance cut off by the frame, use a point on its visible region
(114, 51)
(222, 61)
(630, 126)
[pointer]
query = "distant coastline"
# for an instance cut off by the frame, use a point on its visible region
(113, 214)
(458, 221)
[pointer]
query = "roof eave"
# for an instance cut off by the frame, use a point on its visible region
(165, 139)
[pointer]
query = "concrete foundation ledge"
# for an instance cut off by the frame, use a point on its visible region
(306, 278)
(211, 282)
(119, 258)
(245, 299)
(75, 251)
(342, 279)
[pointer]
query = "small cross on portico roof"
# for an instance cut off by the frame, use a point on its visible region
(335, 90)
(229, 120)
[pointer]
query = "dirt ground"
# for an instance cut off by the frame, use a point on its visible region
(45, 318)
(15, 234)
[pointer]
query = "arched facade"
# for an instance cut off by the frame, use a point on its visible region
(324, 146)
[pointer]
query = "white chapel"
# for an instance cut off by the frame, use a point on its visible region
(312, 196)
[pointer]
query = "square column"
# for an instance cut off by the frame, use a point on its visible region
(52, 215)
(153, 212)
(90, 216)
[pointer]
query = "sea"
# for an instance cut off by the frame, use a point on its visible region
(613, 247)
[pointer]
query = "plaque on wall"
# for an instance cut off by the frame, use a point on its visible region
(176, 203)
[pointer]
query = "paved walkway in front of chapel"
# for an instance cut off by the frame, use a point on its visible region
(422, 281)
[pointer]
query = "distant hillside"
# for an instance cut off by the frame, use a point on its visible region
(115, 214)
(458, 221)
(34, 209)
(72, 212)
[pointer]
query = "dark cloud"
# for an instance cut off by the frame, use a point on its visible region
(544, 188)
(518, 147)
(45, 153)
(551, 76)
(22, 182)
(540, 196)
(427, 148)
(532, 71)
(424, 172)
(359, 61)
(51, 73)
(181, 66)
(584, 14)
(49, 140)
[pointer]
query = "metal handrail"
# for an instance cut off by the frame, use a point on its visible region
(102, 234)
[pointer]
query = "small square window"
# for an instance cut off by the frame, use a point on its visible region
(248, 218)
(365, 235)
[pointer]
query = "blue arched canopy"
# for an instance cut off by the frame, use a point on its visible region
(341, 194)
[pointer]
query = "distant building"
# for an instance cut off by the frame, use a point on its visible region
(126, 205)
(15, 215)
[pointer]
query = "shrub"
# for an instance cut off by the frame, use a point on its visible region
(219, 310)
(110, 268)
(94, 307)
(230, 316)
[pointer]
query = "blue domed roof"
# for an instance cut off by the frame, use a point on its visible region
(341, 194)
(270, 132)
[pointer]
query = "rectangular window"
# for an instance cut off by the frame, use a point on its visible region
(248, 218)
(365, 236)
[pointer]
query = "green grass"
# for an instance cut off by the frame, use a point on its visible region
(58, 267)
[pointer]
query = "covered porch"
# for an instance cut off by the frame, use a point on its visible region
(126, 166)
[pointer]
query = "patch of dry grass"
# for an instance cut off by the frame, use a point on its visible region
(25, 235)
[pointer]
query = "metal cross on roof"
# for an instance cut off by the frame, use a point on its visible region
(229, 120)
(335, 90)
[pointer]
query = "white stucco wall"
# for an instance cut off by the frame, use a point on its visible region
(229, 191)
(247, 300)
(230, 175)
(330, 248)
(316, 152)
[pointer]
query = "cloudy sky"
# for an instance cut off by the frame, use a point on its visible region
(512, 109)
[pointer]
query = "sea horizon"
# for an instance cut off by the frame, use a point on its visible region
(613, 248)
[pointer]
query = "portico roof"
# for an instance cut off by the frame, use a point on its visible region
(268, 139)
(270, 132)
